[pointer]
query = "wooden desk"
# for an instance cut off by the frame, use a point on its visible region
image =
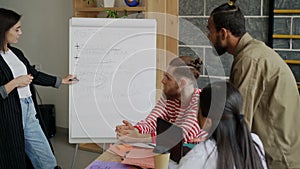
(109, 156)
(112, 157)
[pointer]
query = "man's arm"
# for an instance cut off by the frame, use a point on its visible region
(248, 78)
(121, 129)
(127, 133)
(134, 136)
(143, 129)
(148, 126)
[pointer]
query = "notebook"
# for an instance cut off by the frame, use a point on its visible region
(169, 138)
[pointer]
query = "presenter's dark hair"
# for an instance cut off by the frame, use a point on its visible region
(8, 19)
(235, 146)
(230, 17)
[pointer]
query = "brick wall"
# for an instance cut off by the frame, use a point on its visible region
(289, 49)
(193, 16)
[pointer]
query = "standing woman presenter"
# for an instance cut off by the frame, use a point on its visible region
(21, 132)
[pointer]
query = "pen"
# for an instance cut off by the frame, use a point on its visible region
(74, 79)
(151, 144)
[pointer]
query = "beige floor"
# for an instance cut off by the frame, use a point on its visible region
(64, 152)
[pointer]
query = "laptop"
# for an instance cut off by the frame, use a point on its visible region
(169, 138)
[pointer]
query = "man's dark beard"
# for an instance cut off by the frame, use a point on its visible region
(220, 50)
(171, 95)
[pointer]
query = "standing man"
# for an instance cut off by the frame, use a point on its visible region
(271, 99)
(179, 104)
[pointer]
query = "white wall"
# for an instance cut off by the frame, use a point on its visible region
(45, 26)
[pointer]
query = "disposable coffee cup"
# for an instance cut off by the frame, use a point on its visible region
(161, 161)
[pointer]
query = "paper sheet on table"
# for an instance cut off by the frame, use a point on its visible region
(142, 157)
(140, 153)
(142, 162)
(97, 164)
(120, 149)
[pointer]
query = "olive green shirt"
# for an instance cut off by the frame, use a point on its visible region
(271, 100)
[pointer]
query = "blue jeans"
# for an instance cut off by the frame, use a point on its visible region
(37, 147)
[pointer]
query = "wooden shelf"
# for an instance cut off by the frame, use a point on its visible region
(101, 9)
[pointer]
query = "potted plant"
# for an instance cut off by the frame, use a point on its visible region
(111, 13)
(114, 14)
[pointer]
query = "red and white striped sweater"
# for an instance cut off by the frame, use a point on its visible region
(171, 110)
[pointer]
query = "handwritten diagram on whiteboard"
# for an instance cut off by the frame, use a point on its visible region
(115, 62)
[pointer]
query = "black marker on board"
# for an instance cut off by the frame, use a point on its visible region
(74, 79)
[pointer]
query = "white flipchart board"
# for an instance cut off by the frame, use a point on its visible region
(115, 62)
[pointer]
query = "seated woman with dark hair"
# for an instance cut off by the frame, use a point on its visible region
(230, 145)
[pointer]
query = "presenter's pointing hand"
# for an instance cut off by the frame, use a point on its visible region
(69, 79)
